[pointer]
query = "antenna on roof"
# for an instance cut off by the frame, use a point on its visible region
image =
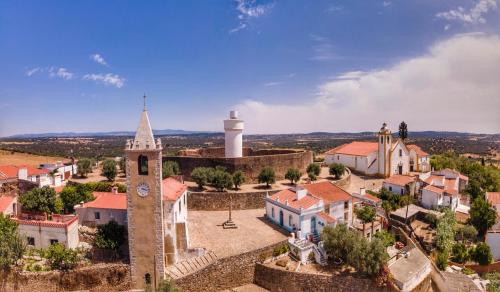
(144, 101)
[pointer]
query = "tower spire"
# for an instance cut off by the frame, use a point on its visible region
(144, 101)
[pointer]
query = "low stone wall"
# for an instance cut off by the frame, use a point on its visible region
(345, 181)
(225, 273)
(215, 201)
(275, 279)
(493, 267)
(102, 277)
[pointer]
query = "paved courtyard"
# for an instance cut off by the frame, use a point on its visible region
(253, 232)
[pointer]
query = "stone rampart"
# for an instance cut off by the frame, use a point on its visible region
(275, 279)
(216, 201)
(101, 277)
(225, 273)
(278, 159)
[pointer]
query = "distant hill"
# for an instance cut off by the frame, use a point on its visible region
(106, 134)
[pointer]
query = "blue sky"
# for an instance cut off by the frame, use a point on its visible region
(288, 66)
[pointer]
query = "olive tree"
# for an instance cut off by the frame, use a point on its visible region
(267, 176)
(12, 247)
(109, 169)
(293, 175)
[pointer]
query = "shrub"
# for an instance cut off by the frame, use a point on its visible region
(280, 249)
(386, 237)
(293, 175)
(170, 168)
(311, 257)
(337, 170)
(314, 168)
(222, 180)
(460, 253)
(267, 176)
(12, 247)
(467, 232)
(167, 285)
(110, 236)
(468, 271)
(442, 260)
(201, 176)
(238, 179)
(312, 176)
(61, 258)
(482, 254)
(431, 219)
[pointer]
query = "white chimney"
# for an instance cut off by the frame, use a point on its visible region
(114, 190)
(362, 191)
(22, 173)
(301, 192)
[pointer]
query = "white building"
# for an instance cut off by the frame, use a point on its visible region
(41, 177)
(401, 184)
(384, 157)
(233, 128)
(40, 232)
(64, 170)
(106, 206)
(307, 209)
(440, 191)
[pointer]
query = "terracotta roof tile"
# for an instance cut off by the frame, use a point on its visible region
(172, 189)
(66, 221)
(493, 197)
(5, 202)
(434, 189)
(327, 191)
(107, 200)
(355, 148)
(291, 197)
(417, 150)
(326, 217)
(399, 180)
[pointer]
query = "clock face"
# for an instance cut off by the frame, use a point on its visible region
(142, 190)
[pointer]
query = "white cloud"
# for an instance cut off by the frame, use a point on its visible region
(454, 86)
(334, 8)
(386, 3)
(323, 49)
(273, 83)
(107, 79)
(33, 71)
(99, 59)
(248, 9)
(447, 27)
(61, 73)
(473, 16)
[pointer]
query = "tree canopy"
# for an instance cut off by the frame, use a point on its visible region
(337, 170)
(482, 215)
(84, 167)
(71, 196)
(238, 179)
(222, 180)
(314, 168)
(445, 233)
(41, 200)
(110, 235)
(170, 168)
(201, 176)
(403, 131)
(293, 175)
(12, 247)
(267, 176)
(109, 169)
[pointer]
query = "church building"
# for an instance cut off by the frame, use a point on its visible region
(156, 210)
(382, 158)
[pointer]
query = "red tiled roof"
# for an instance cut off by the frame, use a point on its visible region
(58, 189)
(399, 180)
(433, 177)
(355, 148)
(327, 191)
(434, 189)
(66, 221)
(372, 198)
(288, 195)
(8, 171)
(107, 200)
(493, 197)
(449, 184)
(5, 202)
(172, 189)
(417, 150)
(326, 217)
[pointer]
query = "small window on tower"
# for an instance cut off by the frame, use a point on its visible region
(147, 279)
(381, 140)
(387, 139)
(142, 163)
(400, 152)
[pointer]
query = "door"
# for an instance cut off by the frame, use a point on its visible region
(400, 169)
(313, 224)
(281, 217)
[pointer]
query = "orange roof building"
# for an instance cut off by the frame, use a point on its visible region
(106, 206)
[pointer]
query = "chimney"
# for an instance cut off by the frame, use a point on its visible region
(22, 173)
(114, 190)
(301, 192)
(362, 191)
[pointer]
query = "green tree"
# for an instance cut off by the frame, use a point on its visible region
(267, 176)
(170, 168)
(71, 196)
(314, 168)
(482, 215)
(473, 189)
(167, 285)
(84, 167)
(339, 241)
(238, 179)
(123, 165)
(460, 253)
(366, 214)
(445, 233)
(222, 180)
(61, 258)
(293, 175)
(12, 247)
(482, 254)
(110, 235)
(442, 259)
(109, 169)
(200, 175)
(312, 176)
(386, 237)
(41, 200)
(467, 232)
(337, 170)
(403, 131)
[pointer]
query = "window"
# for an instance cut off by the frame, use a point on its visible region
(142, 163)
(400, 152)
(31, 241)
(338, 157)
(390, 189)
(290, 220)
(179, 206)
(53, 241)
(381, 140)
(346, 205)
(401, 191)
(97, 215)
(147, 279)
(387, 139)
(272, 212)
(185, 200)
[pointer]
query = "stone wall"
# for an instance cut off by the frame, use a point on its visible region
(215, 201)
(275, 279)
(225, 273)
(345, 180)
(251, 165)
(101, 277)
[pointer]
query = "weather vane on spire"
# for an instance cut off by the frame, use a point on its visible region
(144, 101)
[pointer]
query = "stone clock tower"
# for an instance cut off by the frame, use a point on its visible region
(144, 206)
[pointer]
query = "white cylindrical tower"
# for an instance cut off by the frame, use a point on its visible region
(384, 151)
(233, 128)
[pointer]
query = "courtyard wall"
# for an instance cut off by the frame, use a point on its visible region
(219, 201)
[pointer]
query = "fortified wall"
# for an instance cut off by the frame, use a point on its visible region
(252, 162)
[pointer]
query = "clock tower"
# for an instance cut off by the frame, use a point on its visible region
(144, 206)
